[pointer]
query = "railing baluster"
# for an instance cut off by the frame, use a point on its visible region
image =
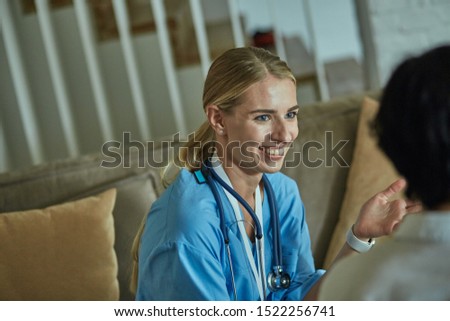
(236, 23)
(92, 61)
(279, 43)
(200, 32)
(58, 80)
(320, 70)
(123, 24)
(159, 15)
(21, 85)
(4, 155)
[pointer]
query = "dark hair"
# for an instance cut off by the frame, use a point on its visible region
(413, 124)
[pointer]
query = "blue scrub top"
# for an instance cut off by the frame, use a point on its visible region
(183, 255)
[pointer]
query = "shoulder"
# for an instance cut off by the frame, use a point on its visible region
(282, 183)
(185, 188)
(186, 206)
(285, 188)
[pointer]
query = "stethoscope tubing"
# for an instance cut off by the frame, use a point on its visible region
(211, 176)
(278, 260)
(258, 228)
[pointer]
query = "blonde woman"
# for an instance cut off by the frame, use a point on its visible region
(231, 226)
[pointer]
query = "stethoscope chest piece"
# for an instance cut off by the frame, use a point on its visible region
(278, 279)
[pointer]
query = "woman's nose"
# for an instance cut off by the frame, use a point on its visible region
(283, 131)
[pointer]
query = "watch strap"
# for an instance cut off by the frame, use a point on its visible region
(357, 244)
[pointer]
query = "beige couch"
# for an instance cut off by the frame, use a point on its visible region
(74, 249)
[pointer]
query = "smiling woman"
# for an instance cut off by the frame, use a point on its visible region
(231, 226)
(232, 78)
(266, 116)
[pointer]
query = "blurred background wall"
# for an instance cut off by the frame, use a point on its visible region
(77, 73)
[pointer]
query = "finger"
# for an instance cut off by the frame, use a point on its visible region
(412, 203)
(394, 188)
(414, 208)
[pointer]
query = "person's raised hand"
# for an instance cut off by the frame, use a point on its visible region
(381, 216)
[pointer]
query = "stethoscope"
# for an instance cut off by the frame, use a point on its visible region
(277, 279)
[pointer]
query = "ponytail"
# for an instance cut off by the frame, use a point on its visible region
(135, 256)
(197, 149)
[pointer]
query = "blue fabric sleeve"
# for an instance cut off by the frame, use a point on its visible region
(182, 246)
(177, 271)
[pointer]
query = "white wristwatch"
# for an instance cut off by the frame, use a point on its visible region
(358, 245)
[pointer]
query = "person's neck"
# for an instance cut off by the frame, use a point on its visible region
(243, 182)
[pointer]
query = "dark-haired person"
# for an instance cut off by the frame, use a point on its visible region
(413, 127)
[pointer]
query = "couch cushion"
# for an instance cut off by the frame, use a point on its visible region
(137, 184)
(63, 252)
(371, 172)
(320, 177)
(135, 194)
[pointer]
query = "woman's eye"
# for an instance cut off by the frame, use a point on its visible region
(262, 118)
(291, 114)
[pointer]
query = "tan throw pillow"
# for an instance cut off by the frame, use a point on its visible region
(370, 172)
(63, 252)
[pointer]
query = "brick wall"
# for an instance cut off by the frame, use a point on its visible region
(403, 27)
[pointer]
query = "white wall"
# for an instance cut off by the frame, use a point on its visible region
(399, 27)
(337, 30)
(404, 27)
(334, 22)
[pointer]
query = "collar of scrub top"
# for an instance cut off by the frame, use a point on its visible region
(208, 168)
(258, 267)
(277, 257)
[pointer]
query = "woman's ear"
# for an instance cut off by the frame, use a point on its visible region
(215, 117)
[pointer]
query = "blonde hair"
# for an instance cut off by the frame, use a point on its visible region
(229, 76)
(135, 255)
